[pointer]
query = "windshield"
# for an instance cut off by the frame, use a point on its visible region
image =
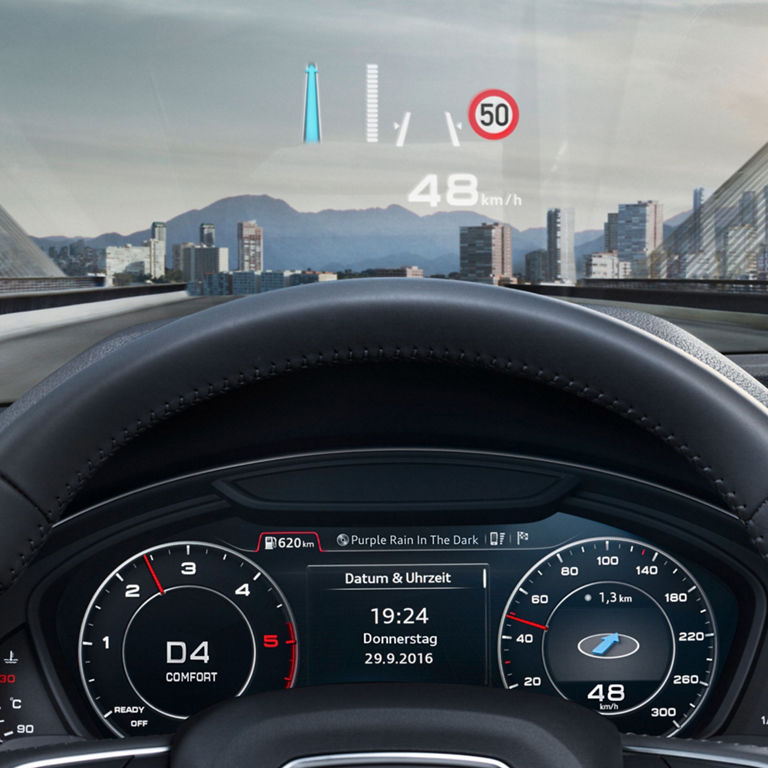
(160, 157)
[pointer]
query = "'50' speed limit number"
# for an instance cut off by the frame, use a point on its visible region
(493, 114)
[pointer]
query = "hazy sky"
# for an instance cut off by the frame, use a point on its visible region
(117, 112)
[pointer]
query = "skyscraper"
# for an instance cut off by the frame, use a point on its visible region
(537, 267)
(159, 231)
(700, 195)
(748, 208)
(611, 232)
(158, 242)
(208, 235)
(200, 260)
(250, 246)
(560, 245)
(640, 229)
(485, 253)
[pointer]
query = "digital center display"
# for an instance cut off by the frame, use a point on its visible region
(398, 623)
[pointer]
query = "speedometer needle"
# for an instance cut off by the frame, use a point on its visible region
(525, 621)
(154, 575)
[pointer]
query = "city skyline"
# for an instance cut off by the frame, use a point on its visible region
(725, 235)
(100, 128)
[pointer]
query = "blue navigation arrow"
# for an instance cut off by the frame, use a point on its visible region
(605, 644)
(311, 107)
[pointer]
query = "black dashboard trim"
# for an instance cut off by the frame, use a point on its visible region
(189, 505)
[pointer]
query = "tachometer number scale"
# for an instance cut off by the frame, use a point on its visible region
(614, 625)
(178, 628)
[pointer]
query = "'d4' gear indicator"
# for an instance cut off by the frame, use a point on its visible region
(179, 627)
(493, 114)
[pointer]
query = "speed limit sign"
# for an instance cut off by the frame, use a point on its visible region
(493, 114)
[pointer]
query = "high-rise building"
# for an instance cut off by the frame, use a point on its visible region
(200, 260)
(748, 209)
(250, 246)
(611, 232)
(640, 230)
(560, 245)
(537, 267)
(700, 196)
(159, 231)
(485, 253)
(696, 244)
(177, 255)
(208, 235)
(159, 234)
(156, 257)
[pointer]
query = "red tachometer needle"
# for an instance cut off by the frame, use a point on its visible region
(525, 621)
(154, 575)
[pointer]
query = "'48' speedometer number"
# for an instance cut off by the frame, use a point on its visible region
(615, 625)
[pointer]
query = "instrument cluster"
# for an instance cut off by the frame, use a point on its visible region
(626, 598)
(561, 606)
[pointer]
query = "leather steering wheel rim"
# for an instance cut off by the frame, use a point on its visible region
(55, 437)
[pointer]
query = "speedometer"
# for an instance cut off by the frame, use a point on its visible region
(615, 625)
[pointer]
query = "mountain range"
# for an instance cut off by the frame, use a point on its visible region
(339, 239)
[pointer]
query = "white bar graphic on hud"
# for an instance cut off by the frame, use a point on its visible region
(372, 103)
(403, 130)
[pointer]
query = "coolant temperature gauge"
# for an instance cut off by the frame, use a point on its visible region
(25, 709)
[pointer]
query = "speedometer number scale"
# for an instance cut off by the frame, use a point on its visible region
(614, 625)
(179, 627)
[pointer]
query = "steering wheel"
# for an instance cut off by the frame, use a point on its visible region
(696, 402)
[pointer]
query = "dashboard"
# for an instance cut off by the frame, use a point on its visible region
(641, 603)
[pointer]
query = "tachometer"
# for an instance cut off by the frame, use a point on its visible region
(615, 625)
(179, 627)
